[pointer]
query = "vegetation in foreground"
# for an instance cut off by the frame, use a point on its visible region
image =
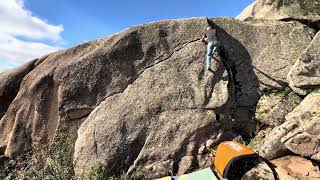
(54, 163)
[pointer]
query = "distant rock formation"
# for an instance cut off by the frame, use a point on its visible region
(306, 11)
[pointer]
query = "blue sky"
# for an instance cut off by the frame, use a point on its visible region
(42, 26)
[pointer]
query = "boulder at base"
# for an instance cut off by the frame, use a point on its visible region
(296, 167)
(300, 133)
(261, 171)
(305, 74)
(285, 168)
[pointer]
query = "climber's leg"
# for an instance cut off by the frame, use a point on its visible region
(208, 62)
(209, 54)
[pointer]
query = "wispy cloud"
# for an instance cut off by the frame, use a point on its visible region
(16, 21)
(5, 65)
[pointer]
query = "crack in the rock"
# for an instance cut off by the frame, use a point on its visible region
(95, 145)
(175, 49)
(315, 149)
(136, 161)
(276, 70)
(110, 95)
(189, 108)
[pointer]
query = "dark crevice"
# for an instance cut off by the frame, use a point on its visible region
(75, 114)
(2, 150)
(132, 169)
(128, 154)
(81, 118)
(178, 155)
(243, 85)
(95, 145)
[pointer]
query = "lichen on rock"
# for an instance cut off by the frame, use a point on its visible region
(272, 108)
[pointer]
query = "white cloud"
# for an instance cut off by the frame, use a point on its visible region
(19, 51)
(16, 21)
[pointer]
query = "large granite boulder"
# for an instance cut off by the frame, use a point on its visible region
(154, 124)
(305, 74)
(146, 91)
(300, 133)
(307, 11)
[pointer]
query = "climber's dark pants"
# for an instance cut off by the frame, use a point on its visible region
(211, 48)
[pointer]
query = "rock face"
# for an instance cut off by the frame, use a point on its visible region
(271, 109)
(261, 171)
(295, 167)
(305, 11)
(299, 134)
(145, 100)
(285, 168)
(10, 84)
(256, 142)
(305, 74)
(155, 122)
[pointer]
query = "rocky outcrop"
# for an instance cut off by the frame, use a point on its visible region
(295, 134)
(261, 171)
(272, 108)
(307, 11)
(305, 139)
(305, 74)
(142, 96)
(299, 134)
(285, 168)
(295, 167)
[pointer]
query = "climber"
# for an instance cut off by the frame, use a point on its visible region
(211, 39)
